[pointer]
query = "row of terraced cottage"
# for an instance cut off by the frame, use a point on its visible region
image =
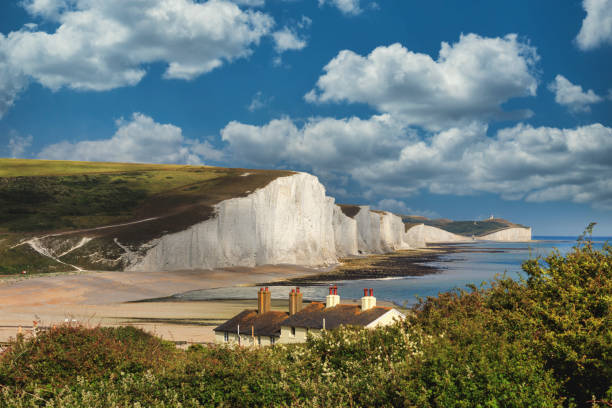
(267, 327)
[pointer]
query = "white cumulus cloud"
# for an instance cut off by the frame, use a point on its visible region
(348, 7)
(325, 144)
(287, 39)
(596, 27)
(104, 44)
(140, 140)
(470, 80)
(12, 82)
(49, 9)
(572, 96)
(392, 160)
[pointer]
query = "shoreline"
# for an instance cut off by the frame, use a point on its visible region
(144, 299)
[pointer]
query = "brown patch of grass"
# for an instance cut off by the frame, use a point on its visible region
(349, 210)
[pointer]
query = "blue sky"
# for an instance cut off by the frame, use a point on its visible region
(456, 109)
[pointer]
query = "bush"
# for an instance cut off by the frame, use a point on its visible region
(57, 356)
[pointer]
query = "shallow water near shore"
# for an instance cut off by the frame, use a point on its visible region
(473, 263)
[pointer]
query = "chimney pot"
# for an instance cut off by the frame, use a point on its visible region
(365, 292)
(297, 289)
(331, 290)
(292, 290)
(266, 288)
(371, 292)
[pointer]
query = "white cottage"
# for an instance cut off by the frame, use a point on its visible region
(267, 327)
(332, 314)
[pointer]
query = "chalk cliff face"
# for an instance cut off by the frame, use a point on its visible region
(288, 221)
(291, 221)
(420, 235)
(509, 234)
(379, 231)
(345, 234)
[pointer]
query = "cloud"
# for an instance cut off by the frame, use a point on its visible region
(140, 140)
(18, 144)
(400, 207)
(259, 101)
(596, 27)
(286, 39)
(48, 9)
(250, 3)
(348, 7)
(470, 80)
(392, 160)
(325, 144)
(12, 82)
(104, 44)
(572, 96)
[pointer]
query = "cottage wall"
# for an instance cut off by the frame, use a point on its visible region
(300, 334)
(245, 340)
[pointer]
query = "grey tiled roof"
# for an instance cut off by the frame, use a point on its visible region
(266, 324)
(269, 323)
(312, 316)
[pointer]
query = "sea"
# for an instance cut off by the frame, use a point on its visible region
(479, 264)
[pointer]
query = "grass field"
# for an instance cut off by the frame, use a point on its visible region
(28, 168)
(38, 195)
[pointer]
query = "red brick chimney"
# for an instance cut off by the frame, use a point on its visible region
(264, 300)
(295, 301)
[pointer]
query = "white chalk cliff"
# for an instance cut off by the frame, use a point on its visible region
(508, 234)
(289, 221)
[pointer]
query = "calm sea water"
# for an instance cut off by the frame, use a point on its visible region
(458, 270)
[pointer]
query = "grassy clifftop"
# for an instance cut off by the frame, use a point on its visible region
(39, 197)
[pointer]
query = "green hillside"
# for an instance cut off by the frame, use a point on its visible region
(38, 197)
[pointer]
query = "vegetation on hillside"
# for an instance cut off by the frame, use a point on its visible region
(23, 258)
(38, 195)
(543, 341)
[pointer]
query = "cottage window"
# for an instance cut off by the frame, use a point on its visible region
(259, 340)
(226, 336)
(272, 340)
(293, 331)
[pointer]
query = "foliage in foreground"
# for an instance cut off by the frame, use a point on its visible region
(544, 341)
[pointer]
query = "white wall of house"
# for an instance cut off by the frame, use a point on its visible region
(287, 336)
(245, 340)
(298, 335)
